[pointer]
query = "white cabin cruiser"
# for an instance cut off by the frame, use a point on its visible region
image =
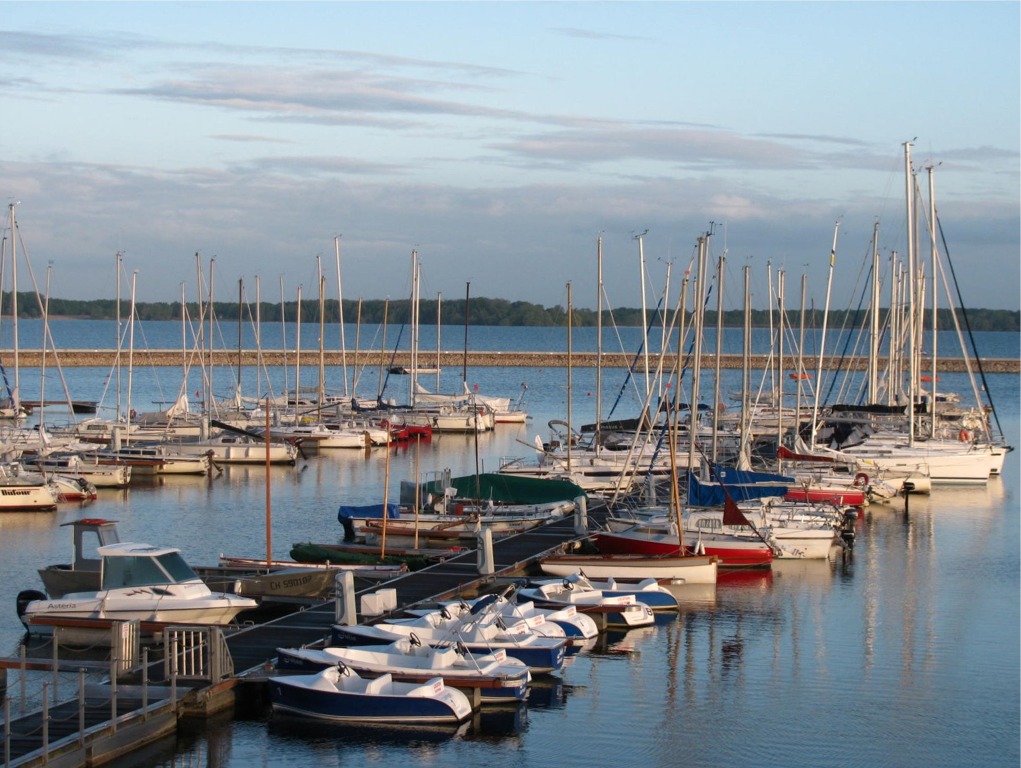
(137, 581)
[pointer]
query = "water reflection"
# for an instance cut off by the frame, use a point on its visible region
(372, 735)
(547, 692)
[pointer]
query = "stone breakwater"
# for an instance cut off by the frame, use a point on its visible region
(105, 358)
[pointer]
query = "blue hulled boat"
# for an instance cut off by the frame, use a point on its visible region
(339, 694)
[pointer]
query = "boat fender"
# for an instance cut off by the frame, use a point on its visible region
(964, 436)
(861, 480)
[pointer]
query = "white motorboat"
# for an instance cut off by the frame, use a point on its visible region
(339, 694)
(137, 581)
(620, 610)
(494, 676)
(481, 631)
(648, 591)
(21, 493)
(549, 622)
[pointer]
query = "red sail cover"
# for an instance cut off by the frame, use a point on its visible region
(732, 514)
(784, 452)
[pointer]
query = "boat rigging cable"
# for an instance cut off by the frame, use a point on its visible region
(967, 325)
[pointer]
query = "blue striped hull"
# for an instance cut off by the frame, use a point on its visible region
(343, 707)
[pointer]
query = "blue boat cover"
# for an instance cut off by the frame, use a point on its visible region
(347, 511)
(740, 484)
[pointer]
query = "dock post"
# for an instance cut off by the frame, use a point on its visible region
(581, 515)
(486, 562)
(344, 605)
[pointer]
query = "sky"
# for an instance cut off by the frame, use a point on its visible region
(212, 143)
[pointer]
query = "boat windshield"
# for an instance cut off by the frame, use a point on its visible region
(144, 571)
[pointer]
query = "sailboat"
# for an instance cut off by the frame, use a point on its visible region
(872, 445)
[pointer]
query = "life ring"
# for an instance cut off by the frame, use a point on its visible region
(964, 436)
(861, 480)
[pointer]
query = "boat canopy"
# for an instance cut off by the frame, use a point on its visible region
(141, 565)
(741, 484)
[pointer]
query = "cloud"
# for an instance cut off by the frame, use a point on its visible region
(520, 243)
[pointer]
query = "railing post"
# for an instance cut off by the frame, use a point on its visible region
(215, 660)
(7, 730)
(172, 662)
(24, 663)
(145, 684)
(113, 694)
(46, 723)
(81, 707)
(56, 662)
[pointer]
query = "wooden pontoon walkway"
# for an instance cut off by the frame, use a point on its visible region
(55, 737)
(68, 734)
(457, 576)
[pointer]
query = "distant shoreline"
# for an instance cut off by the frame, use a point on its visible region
(99, 358)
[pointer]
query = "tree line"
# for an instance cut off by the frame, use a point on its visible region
(478, 311)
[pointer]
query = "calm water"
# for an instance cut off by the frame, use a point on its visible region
(905, 652)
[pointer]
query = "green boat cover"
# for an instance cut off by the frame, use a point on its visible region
(508, 489)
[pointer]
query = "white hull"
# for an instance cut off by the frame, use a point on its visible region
(27, 498)
(227, 452)
(52, 612)
(689, 570)
(797, 544)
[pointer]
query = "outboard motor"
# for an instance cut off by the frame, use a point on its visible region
(349, 528)
(25, 597)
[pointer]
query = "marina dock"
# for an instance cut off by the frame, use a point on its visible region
(106, 721)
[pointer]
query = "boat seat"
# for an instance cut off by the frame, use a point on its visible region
(443, 659)
(378, 685)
